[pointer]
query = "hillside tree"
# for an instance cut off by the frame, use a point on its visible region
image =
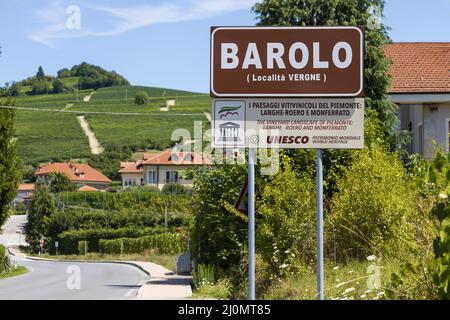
(40, 75)
(141, 98)
(10, 167)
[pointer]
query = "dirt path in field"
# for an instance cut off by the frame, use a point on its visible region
(94, 144)
(88, 97)
(68, 106)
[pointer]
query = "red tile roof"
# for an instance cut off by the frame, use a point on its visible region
(167, 157)
(419, 67)
(77, 172)
(87, 189)
(26, 187)
(131, 167)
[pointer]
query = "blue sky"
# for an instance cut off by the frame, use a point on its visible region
(157, 43)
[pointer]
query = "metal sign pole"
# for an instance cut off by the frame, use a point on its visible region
(251, 223)
(319, 176)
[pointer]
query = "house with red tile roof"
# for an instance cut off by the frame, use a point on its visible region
(24, 193)
(421, 88)
(79, 173)
(162, 168)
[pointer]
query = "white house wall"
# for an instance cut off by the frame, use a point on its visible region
(435, 128)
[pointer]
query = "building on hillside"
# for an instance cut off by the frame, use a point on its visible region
(421, 88)
(162, 168)
(79, 173)
(24, 193)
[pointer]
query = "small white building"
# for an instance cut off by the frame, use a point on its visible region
(421, 88)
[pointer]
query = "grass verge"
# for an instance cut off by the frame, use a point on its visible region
(220, 290)
(14, 272)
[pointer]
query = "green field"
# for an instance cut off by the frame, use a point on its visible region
(52, 131)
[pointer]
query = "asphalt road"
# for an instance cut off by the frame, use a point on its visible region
(67, 280)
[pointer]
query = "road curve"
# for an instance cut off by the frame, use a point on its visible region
(48, 280)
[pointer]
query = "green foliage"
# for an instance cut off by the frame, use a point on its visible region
(58, 86)
(10, 166)
(40, 87)
(141, 98)
(5, 262)
(175, 188)
(68, 240)
(40, 75)
(20, 208)
(412, 281)
(205, 275)
(83, 247)
(41, 208)
(374, 205)
(214, 193)
(94, 77)
(60, 182)
(286, 226)
(136, 200)
(344, 12)
(441, 270)
(84, 219)
(163, 243)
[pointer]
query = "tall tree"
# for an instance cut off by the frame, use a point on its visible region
(60, 182)
(346, 12)
(40, 75)
(41, 208)
(10, 167)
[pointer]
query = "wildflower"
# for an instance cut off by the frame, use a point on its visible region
(283, 266)
(336, 268)
(372, 258)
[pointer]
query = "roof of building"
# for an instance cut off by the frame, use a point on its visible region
(87, 188)
(168, 157)
(26, 187)
(77, 172)
(131, 167)
(419, 67)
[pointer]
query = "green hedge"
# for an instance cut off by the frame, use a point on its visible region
(164, 243)
(138, 200)
(83, 219)
(68, 240)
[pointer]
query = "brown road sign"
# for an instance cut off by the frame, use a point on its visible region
(287, 61)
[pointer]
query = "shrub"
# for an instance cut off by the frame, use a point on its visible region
(175, 188)
(204, 276)
(164, 243)
(69, 239)
(286, 228)
(83, 247)
(141, 98)
(5, 262)
(373, 207)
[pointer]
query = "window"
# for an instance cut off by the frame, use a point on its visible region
(171, 176)
(151, 177)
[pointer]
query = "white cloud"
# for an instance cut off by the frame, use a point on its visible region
(129, 18)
